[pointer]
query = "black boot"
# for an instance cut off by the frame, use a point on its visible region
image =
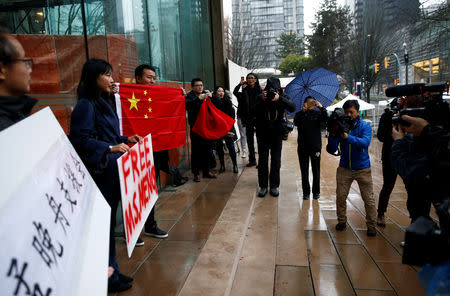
(222, 168)
(235, 169)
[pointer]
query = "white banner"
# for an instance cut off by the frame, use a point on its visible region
(138, 188)
(54, 222)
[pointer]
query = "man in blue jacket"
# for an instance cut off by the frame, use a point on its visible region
(354, 165)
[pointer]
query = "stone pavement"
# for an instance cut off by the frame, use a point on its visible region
(223, 240)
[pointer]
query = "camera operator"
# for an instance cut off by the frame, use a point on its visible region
(384, 134)
(354, 165)
(269, 113)
(425, 243)
(410, 161)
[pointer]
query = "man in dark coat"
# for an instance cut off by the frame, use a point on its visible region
(15, 73)
(201, 148)
(146, 75)
(269, 114)
(308, 122)
(384, 134)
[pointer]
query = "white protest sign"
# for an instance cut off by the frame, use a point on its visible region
(54, 222)
(138, 188)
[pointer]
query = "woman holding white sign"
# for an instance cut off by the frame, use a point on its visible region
(95, 134)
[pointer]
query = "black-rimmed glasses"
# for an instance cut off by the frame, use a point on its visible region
(28, 62)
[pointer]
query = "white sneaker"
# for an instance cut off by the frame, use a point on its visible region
(244, 154)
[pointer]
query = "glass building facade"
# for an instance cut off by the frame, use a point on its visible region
(174, 36)
(264, 21)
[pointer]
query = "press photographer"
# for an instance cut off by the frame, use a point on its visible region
(384, 135)
(420, 153)
(269, 113)
(352, 135)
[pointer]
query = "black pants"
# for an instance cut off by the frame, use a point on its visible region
(389, 178)
(161, 160)
(418, 202)
(250, 133)
(230, 145)
(270, 142)
(304, 156)
(201, 150)
(108, 183)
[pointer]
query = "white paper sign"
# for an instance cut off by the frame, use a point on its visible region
(138, 188)
(54, 222)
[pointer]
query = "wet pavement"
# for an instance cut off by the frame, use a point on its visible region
(223, 240)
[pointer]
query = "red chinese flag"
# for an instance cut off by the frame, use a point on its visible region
(158, 110)
(211, 123)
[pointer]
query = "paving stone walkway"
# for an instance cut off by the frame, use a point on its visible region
(223, 240)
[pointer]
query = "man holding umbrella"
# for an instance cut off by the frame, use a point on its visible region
(308, 122)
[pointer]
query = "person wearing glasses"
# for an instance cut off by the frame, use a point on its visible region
(201, 148)
(15, 76)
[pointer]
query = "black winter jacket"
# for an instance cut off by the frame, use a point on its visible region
(269, 115)
(14, 109)
(384, 134)
(193, 104)
(309, 128)
(246, 102)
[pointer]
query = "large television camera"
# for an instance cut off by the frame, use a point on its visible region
(338, 122)
(433, 109)
(425, 241)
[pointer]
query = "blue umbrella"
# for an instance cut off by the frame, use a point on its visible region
(320, 84)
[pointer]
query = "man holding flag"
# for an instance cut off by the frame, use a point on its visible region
(201, 147)
(146, 75)
(157, 110)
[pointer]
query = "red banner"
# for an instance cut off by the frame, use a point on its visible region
(156, 110)
(211, 123)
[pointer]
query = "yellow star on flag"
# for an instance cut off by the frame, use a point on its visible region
(145, 92)
(150, 110)
(133, 102)
(145, 116)
(149, 99)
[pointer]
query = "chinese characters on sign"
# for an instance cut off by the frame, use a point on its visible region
(44, 220)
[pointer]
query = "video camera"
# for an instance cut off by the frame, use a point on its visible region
(434, 109)
(338, 122)
(425, 241)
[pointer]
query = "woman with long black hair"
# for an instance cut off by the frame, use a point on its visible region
(247, 99)
(95, 134)
(223, 102)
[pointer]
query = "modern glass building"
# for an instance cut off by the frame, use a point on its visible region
(261, 22)
(182, 39)
(174, 36)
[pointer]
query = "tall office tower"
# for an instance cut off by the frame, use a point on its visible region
(256, 26)
(394, 13)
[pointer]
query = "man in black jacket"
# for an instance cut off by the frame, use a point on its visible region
(308, 122)
(200, 147)
(269, 113)
(15, 73)
(384, 134)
